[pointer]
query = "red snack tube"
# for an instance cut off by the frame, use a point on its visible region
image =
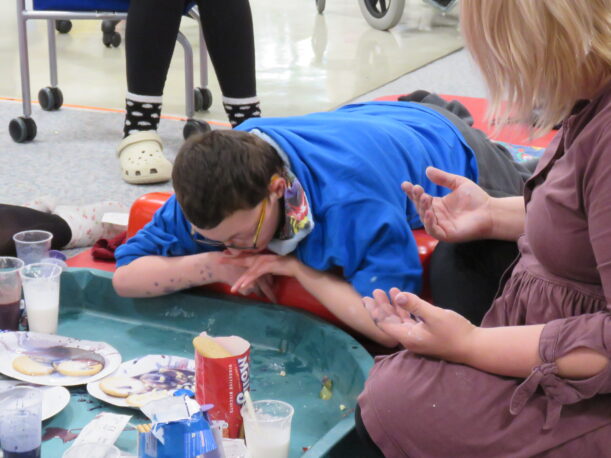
(222, 375)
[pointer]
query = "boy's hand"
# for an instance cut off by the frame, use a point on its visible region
(260, 265)
(229, 273)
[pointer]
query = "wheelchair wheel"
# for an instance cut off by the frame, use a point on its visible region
(193, 126)
(382, 14)
(320, 6)
(22, 129)
(63, 26)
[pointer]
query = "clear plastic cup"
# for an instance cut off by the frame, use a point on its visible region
(32, 246)
(41, 292)
(10, 292)
(92, 450)
(268, 435)
(20, 422)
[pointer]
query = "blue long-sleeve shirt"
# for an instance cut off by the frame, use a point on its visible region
(350, 163)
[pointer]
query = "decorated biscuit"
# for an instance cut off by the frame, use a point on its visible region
(121, 387)
(78, 367)
(29, 366)
(138, 400)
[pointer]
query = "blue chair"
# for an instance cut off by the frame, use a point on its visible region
(23, 128)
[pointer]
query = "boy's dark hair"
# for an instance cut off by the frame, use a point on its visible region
(220, 172)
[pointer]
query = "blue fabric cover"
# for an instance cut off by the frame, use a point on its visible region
(351, 163)
(82, 5)
(118, 6)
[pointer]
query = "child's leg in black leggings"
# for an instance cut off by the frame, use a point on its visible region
(15, 219)
(150, 38)
(228, 31)
(151, 32)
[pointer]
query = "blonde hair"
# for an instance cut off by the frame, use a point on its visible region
(538, 56)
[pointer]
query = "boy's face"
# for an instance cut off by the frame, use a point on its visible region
(248, 231)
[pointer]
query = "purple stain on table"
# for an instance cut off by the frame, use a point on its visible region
(61, 433)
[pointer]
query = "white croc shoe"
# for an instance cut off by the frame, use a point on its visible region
(142, 159)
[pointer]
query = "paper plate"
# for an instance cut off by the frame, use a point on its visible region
(54, 398)
(53, 348)
(155, 381)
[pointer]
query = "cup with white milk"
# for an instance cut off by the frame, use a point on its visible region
(268, 431)
(40, 282)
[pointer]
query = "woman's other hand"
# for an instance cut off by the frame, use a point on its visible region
(464, 214)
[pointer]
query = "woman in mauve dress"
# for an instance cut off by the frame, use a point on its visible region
(535, 378)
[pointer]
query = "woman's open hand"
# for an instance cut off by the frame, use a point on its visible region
(421, 327)
(462, 215)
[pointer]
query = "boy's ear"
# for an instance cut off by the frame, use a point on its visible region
(278, 186)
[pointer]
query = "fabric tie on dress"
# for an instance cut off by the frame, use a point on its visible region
(559, 390)
(544, 375)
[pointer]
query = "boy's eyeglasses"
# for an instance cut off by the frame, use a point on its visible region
(208, 242)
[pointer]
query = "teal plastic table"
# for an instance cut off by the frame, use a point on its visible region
(291, 353)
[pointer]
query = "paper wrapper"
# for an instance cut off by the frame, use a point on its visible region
(223, 381)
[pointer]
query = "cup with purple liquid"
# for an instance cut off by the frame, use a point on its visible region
(20, 422)
(10, 292)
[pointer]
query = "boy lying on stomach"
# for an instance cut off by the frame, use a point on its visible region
(315, 197)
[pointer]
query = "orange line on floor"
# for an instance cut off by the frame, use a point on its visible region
(116, 110)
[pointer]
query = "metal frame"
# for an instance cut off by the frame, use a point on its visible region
(24, 15)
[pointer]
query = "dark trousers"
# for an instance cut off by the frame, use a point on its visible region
(465, 277)
(150, 37)
(15, 219)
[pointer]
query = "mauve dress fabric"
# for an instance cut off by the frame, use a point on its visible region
(422, 407)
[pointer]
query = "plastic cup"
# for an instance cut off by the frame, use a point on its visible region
(32, 246)
(217, 431)
(20, 422)
(41, 292)
(92, 450)
(268, 435)
(10, 292)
